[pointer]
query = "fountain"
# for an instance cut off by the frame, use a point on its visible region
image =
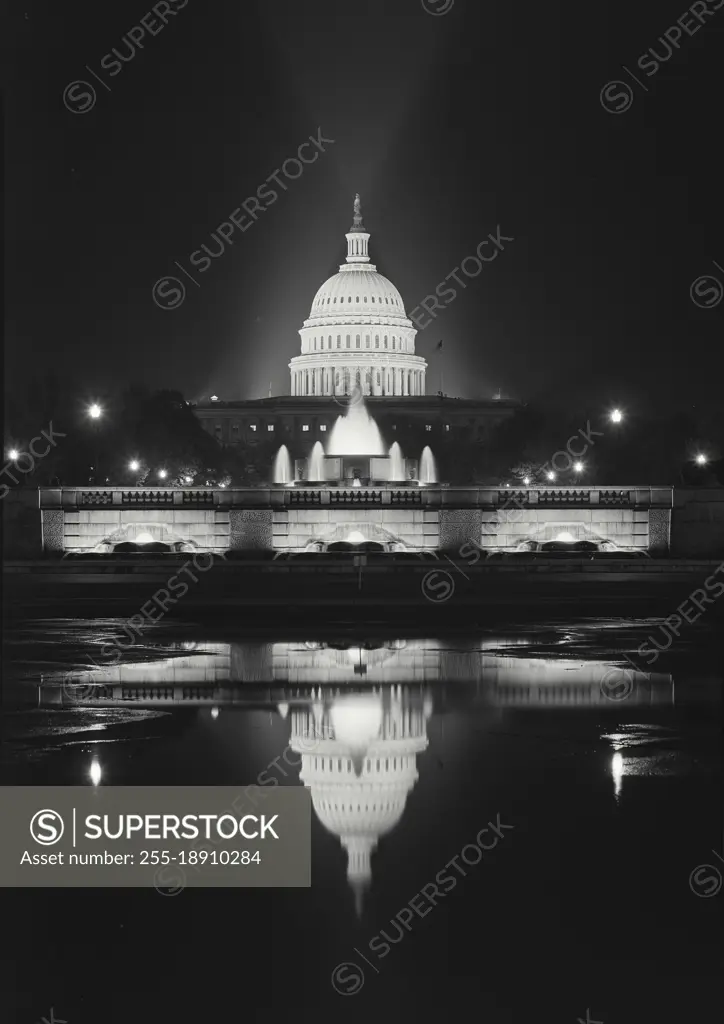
(356, 433)
(355, 457)
(282, 473)
(397, 463)
(428, 470)
(315, 464)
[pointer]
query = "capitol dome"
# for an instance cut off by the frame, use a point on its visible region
(357, 292)
(357, 333)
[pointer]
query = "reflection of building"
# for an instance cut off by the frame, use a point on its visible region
(211, 674)
(358, 757)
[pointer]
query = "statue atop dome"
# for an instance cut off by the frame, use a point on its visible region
(357, 224)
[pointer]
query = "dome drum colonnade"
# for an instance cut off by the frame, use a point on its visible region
(357, 334)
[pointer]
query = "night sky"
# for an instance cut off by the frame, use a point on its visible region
(449, 126)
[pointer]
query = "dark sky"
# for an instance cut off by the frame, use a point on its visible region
(449, 126)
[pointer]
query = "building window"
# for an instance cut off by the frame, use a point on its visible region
(348, 340)
(270, 427)
(323, 427)
(339, 341)
(252, 426)
(373, 298)
(447, 426)
(305, 427)
(428, 427)
(357, 339)
(377, 341)
(367, 341)
(235, 428)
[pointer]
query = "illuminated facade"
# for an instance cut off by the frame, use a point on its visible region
(357, 333)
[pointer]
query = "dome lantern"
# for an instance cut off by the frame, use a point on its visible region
(357, 237)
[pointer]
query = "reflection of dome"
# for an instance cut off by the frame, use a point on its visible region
(359, 754)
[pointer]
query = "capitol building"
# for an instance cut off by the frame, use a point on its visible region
(357, 333)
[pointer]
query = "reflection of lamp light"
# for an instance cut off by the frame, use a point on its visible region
(214, 713)
(355, 537)
(95, 771)
(566, 538)
(617, 773)
(144, 538)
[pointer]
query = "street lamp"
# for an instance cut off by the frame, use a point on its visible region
(616, 416)
(578, 467)
(95, 412)
(550, 475)
(526, 480)
(701, 459)
(13, 454)
(162, 473)
(134, 465)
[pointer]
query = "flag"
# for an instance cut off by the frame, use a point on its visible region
(438, 347)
